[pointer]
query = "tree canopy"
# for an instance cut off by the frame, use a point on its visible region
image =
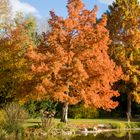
(124, 26)
(73, 62)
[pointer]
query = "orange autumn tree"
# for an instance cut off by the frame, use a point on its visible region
(73, 63)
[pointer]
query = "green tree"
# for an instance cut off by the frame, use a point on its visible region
(124, 26)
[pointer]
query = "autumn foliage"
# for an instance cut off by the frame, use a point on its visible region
(72, 60)
(15, 72)
(125, 48)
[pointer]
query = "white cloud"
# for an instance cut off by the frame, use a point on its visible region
(108, 2)
(25, 8)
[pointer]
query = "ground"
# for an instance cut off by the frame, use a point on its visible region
(116, 123)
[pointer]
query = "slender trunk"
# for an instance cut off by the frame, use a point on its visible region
(64, 117)
(129, 102)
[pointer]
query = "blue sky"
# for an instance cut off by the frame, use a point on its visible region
(41, 8)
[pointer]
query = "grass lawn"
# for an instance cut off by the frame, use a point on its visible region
(117, 122)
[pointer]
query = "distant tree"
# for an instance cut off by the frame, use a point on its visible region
(124, 26)
(14, 69)
(4, 10)
(73, 62)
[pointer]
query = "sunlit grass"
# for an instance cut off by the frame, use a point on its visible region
(37, 121)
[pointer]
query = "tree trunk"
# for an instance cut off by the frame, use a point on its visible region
(64, 117)
(129, 102)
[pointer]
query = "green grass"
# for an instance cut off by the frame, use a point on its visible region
(31, 122)
(95, 121)
(116, 123)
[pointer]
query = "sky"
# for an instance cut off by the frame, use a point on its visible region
(41, 8)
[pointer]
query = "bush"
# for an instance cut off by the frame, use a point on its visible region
(79, 111)
(31, 107)
(2, 118)
(3, 133)
(34, 107)
(15, 116)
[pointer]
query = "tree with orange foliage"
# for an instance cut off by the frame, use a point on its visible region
(73, 63)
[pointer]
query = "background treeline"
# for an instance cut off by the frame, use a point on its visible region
(16, 78)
